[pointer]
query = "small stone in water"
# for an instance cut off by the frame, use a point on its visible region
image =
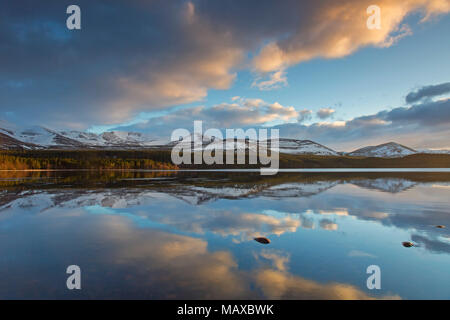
(262, 240)
(408, 244)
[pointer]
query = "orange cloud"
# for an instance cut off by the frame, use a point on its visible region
(277, 284)
(338, 28)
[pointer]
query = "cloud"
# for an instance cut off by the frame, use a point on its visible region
(327, 224)
(271, 81)
(240, 226)
(240, 113)
(155, 54)
(304, 115)
(277, 284)
(428, 92)
(358, 253)
(428, 113)
(324, 113)
(433, 245)
(424, 125)
(334, 29)
(278, 259)
(248, 112)
(133, 56)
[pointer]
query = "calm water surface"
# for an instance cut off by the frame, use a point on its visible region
(191, 235)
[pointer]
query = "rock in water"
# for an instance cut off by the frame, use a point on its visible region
(408, 244)
(262, 240)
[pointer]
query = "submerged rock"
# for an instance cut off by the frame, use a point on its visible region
(262, 240)
(408, 244)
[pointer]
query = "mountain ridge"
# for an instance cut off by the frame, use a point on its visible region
(389, 149)
(38, 137)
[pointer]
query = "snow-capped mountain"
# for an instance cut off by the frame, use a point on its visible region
(9, 143)
(38, 137)
(386, 150)
(293, 146)
(113, 138)
(434, 151)
(45, 137)
(196, 142)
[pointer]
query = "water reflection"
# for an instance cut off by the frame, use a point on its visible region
(165, 237)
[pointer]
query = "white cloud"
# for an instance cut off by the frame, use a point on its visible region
(271, 81)
(358, 253)
(324, 113)
(241, 113)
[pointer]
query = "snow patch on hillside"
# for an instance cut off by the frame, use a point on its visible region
(387, 150)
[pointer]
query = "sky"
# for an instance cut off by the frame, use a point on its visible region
(312, 69)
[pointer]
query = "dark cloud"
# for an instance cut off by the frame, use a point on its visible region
(428, 92)
(128, 57)
(428, 113)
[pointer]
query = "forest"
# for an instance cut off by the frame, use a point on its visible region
(61, 159)
(161, 160)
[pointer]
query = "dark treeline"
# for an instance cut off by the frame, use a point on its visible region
(315, 161)
(161, 159)
(89, 159)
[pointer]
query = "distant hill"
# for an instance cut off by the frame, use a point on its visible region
(44, 138)
(293, 146)
(41, 138)
(9, 143)
(385, 150)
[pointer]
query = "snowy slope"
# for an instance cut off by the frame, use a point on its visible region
(9, 143)
(230, 144)
(38, 137)
(386, 150)
(113, 138)
(293, 146)
(433, 151)
(41, 137)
